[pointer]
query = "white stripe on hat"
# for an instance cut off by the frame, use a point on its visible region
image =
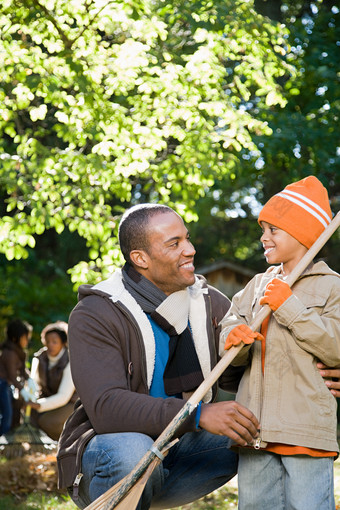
(309, 201)
(284, 194)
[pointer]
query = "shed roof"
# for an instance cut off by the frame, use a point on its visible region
(225, 264)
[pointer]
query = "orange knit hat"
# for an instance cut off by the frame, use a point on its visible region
(301, 209)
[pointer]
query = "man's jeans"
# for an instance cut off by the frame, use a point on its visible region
(269, 481)
(195, 466)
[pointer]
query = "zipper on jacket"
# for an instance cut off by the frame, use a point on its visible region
(86, 438)
(257, 443)
(131, 319)
(75, 486)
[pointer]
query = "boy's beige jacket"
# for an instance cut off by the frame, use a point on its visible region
(291, 400)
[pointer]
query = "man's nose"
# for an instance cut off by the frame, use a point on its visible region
(189, 249)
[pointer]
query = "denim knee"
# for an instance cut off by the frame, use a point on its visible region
(108, 458)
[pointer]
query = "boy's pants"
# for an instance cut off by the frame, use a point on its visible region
(267, 481)
(195, 466)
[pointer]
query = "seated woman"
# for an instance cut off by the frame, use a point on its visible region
(51, 371)
(13, 373)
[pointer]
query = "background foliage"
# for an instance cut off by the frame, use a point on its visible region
(209, 107)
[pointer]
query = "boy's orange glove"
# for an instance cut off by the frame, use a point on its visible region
(277, 291)
(241, 333)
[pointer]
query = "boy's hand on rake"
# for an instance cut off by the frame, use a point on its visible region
(277, 291)
(241, 333)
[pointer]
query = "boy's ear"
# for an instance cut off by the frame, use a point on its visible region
(139, 258)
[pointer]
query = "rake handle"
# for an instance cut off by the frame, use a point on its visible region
(217, 371)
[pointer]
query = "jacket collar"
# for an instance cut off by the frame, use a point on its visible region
(115, 288)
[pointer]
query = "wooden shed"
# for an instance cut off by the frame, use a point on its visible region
(228, 277)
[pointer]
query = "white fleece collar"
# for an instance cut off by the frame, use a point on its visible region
(175, 310)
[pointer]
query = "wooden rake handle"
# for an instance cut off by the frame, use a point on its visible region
(114, 495)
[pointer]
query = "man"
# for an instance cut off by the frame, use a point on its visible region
(140, 343)
(332, 378)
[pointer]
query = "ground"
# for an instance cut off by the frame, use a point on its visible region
(21, 475)
(37, 473)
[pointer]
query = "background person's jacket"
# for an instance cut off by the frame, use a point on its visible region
(13, 364)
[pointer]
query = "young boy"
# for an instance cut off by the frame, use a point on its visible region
(291, 465)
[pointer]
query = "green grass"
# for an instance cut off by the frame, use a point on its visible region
(222, 499)
(38, 501)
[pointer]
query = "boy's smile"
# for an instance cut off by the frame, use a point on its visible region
(280, 247)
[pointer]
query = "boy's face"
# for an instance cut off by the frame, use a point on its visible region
(280, 247)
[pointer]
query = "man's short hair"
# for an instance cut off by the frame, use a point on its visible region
(133, 227)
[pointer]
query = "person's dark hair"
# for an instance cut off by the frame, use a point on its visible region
(16, 329)
(133, 227)
(58, 327)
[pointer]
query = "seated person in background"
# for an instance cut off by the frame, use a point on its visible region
(13, 373)
(51, 371)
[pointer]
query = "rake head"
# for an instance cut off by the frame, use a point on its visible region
(25, 439)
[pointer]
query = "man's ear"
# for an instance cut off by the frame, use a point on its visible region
(139, 258)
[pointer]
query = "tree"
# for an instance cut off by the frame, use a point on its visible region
(209, 107)
(105, 104)
(303, 141)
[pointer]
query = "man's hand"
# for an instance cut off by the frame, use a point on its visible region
(241, 333)
(277, 291)
(230, 419)
(332, 373)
